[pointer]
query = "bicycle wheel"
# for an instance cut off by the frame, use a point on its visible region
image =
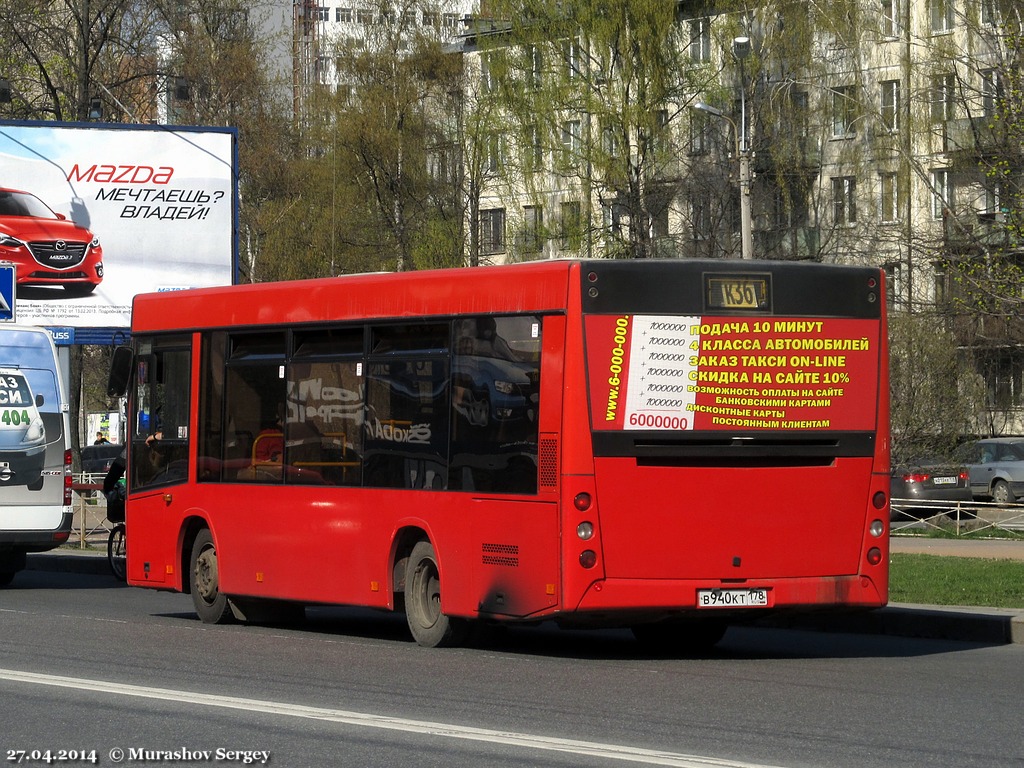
(117, 552)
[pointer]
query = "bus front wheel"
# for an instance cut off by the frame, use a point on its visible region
(429, 626)
(210, 603)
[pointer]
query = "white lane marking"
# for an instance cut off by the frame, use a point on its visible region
(445, 730)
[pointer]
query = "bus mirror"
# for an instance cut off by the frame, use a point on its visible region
(120, 372)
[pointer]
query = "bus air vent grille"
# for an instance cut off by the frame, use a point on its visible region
(501, 554)
(548, 461)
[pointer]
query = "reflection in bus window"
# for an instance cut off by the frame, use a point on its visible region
(324, 427)
(495, 399)
(407, 423)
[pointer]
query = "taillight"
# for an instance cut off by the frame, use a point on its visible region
(67, 479)
(916, 477)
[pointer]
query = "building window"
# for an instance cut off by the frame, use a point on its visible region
(942, 192)
(941, 13)
(533, 148)
(610, 143)
(943, 97)
(571, 229)
(893, 282)
(534, 66)
(891, 26)
(343, 15)
(891, 105)
(572, 58)
(700, 39)
(700, 217)
(492, 159)
(571, 140)
(533, 228)
(991, 91)
(844, 200)
(430, 19)
(364, 17)
(889, 203)
(989, 12)
(492, 230)
(699, 137)
(487, 82)
(844, 110)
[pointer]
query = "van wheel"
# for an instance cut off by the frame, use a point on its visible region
(1001, 493)
(429, 626)
(210, 603)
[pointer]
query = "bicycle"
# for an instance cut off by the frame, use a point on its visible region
(117, 543)
(117, 552)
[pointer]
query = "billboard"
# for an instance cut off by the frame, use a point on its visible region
(92, 214)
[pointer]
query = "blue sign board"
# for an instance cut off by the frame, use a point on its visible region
(7, 276)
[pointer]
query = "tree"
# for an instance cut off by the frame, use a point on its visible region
(595, 93)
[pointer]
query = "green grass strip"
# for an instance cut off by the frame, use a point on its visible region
(945, 580)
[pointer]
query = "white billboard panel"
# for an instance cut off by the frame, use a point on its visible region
(125, 210)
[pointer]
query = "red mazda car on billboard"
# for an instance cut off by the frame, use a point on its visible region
(46, 247)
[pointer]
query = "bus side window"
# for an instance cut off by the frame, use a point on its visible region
(160, 436)
(495, 402)
(254, 398)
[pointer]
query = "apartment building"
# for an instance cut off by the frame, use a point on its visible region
(864, 131)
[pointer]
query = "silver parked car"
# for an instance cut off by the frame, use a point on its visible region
(996, 468)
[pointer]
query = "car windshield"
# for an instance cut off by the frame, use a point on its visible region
(23, 204)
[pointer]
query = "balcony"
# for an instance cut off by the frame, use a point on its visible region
(791, 243)
(973, 231)
(971, 135)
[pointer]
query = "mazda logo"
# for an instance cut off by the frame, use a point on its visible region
(60, 245)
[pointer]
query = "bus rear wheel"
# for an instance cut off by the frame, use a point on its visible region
(210, 603)
(429, 626)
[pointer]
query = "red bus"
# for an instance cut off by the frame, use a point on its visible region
(666, 445)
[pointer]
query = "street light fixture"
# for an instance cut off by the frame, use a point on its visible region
(741, 50)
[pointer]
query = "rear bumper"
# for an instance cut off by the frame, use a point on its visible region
(670, 597)
(37, 540)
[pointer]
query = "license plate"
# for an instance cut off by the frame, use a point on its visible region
(732, 598)
(944, 480)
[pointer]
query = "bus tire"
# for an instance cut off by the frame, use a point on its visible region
(429, 626)
(210, 603)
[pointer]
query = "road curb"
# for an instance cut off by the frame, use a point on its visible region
(980, 625)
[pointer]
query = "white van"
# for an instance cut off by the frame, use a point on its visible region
(35, 451)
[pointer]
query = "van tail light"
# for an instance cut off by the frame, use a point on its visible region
(67, 479)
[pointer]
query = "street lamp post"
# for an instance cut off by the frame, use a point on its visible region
(741, 49)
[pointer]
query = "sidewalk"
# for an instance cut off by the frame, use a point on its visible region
(970, 624)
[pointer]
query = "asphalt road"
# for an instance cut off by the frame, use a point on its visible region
(88, 664)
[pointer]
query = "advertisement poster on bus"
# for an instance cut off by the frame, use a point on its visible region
(675, 373)
(91, 215)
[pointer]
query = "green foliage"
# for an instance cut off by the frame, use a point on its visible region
(936, 580)
(934, 391)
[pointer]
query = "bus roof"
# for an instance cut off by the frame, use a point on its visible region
(529, 287)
